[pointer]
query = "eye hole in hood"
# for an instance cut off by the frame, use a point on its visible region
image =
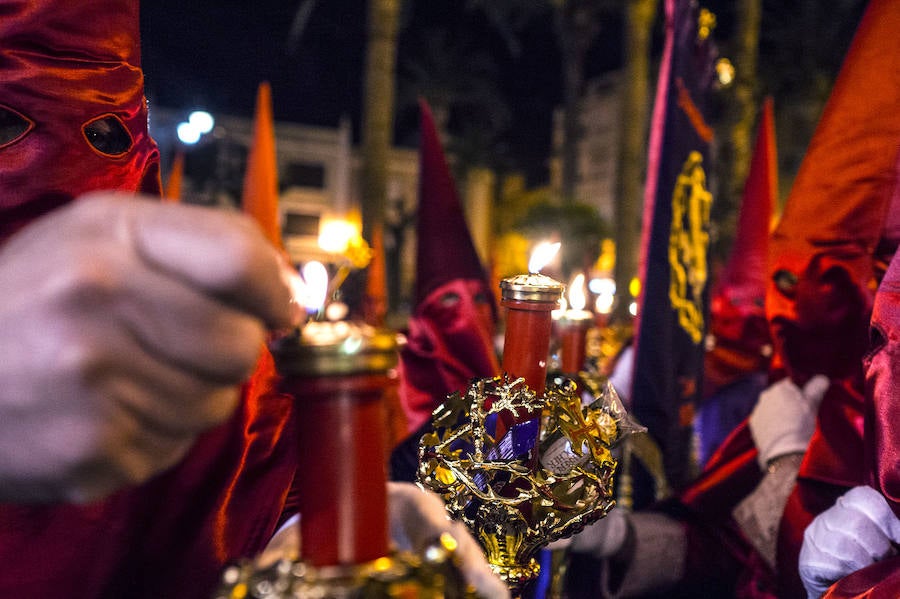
(108, 135)
(13, 126)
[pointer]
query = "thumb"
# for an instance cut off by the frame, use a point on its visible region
(815, 388)
(875, 507)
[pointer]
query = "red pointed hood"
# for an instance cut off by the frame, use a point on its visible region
(445, 250)
(72, 91)
(745, 273)
(451, 329)
(822, 252)
(738, 318)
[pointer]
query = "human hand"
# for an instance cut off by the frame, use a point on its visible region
(784, 417)
(418, 517)
(857, 531)
(604, 538)
(126, 324)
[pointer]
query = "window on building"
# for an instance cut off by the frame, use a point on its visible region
(302, 174)
(306, 225)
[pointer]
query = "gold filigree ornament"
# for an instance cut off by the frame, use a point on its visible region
(432, 574)
(515, 488)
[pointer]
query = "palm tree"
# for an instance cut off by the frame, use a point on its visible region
(635, 107)
(378, 99)
(741, 103)
(460, 84)
(577, 24)
(378, 108)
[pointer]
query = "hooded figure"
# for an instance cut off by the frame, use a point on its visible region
(882, 366)
(825, 258)
(853, 542)
(736, 364)
(73, 119)
(451, 330)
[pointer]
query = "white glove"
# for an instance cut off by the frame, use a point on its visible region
(784, 417)
(284, 544)
(418, 517)
(126, 326)
(605, 537)
(855, 532)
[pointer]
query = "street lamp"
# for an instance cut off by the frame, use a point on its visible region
(199, 123)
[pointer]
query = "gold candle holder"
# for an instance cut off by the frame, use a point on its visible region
(519, 492)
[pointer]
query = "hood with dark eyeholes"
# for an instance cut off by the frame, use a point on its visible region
(73, 117)
(826, 246)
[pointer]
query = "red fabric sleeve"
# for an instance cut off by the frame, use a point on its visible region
(171, 536)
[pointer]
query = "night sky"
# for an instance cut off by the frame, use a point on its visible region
(212, 54)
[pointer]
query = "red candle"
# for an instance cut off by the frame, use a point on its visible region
(338, 378)
(573, 328)
(529, 300)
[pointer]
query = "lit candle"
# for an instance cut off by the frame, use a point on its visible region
(529, 300)
(337, 373)
(311, 290)
(573, 327)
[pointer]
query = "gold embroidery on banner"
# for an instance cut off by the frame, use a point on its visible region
(688, 242)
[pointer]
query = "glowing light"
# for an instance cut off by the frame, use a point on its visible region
(202, 121)
(383, 564)
(634, 287)
(310, 288)
(632, 308)
(604, 303)
(577, 298)
(448, 541)
(335, 235)
(602, 286)
(336, 311)
(605, 290)
(187, 133)
(316, 277)
(541, 256)
(560, 309)
(724, 72)
(352, 344)
(706, 22)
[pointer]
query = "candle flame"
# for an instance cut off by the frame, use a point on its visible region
(541, 256)
(311, 288)
(335, 235)
(577, 297)
(604, 303)
(560, 310)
